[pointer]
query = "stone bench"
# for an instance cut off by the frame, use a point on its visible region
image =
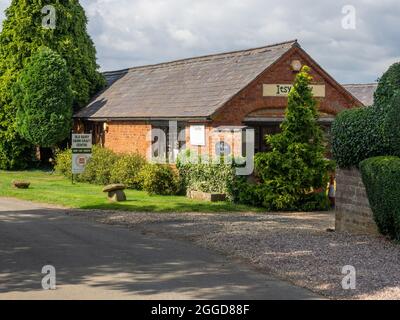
(115, 192)
(21, 184)
(204, 196)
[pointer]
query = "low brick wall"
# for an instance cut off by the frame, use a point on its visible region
(353, 212)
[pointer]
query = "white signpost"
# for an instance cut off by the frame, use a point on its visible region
(81, 152)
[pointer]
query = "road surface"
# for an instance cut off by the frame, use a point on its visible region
(95, 261)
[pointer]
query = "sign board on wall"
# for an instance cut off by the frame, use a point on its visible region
(282, 90)
(198, 135)
(222, 148)
(81, 152)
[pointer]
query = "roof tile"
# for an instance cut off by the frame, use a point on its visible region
(194, 87)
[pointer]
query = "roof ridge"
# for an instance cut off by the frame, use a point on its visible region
(199, 58)
(115, 71)
(361, 84)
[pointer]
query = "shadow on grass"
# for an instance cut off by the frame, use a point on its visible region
(139, 206)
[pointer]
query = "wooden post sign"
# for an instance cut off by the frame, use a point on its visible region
(81, 152)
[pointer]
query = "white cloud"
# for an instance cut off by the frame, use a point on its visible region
(135, 32)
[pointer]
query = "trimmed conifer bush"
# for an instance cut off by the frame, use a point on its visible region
(43, 97)
(381, 176)
(392, 125)
(296, 167)
(388, 86)
(361, 133)
(356, 136)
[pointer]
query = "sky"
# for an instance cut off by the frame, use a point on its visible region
(130, 33)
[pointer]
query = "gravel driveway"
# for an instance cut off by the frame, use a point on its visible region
(292, 246)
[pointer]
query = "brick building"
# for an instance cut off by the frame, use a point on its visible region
(209, 99)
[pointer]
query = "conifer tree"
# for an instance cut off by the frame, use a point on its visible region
(296, 166)
(24, 31)
(43, 97)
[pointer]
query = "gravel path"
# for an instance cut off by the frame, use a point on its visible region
(292, 246)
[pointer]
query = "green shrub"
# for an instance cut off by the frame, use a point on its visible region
(63, 162)
(315, 201)
(356, 136)
(104, 167)
(207, 176)
(248, 193)
(158, 179)
(126, 170)
(360, 134)
(262, 195)
(388, 85)
(98, 169)
(296, 166)
(381, 176)
(392, 126)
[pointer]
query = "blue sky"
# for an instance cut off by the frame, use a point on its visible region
(135, 32)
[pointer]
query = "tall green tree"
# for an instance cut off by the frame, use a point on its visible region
(296, 167)
(22, 34)
(43, 97)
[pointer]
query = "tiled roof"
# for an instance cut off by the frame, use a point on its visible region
(113, 76)
(363, 92)
(188, 88)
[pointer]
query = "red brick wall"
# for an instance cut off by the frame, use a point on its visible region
(251, 98)
(128, 137)
(234, 139)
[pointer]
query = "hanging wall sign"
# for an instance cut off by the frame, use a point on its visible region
(198, 135)
(222, 149)
(282, 90)
(81, 152)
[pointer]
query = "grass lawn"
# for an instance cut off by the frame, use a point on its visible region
(52, 188)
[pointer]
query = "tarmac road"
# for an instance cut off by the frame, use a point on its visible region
(94, 261)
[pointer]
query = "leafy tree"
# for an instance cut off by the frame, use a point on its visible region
(296, 167)
(21, 36)
(43, 97)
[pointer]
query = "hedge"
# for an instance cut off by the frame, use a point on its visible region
(381, 176)
(357, 134)
(388, 85)
(392, 126)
